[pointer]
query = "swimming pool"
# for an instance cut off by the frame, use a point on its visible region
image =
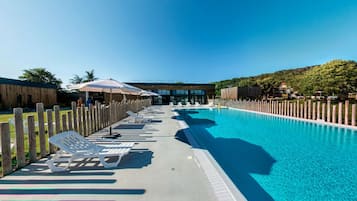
(274, 158)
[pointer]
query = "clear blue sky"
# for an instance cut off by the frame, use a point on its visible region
(173, 40)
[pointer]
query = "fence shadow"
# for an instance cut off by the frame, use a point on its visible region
(60, 191)
(58, 181)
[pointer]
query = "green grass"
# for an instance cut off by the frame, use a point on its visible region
(6, 117)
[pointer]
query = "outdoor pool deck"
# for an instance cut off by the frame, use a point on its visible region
(159, 168)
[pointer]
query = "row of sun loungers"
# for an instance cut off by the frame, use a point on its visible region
(188, 104)
(73, 146)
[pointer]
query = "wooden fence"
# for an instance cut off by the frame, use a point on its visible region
(341, 113)
(85, 120)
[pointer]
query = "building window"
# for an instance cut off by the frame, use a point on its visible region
(163, 92)
(197, 92)
(180, 92)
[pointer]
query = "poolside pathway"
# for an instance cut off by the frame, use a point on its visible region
(159, 168)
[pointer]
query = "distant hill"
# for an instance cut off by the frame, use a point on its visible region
(337, 77)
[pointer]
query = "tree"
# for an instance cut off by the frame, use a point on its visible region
(89, 76)
(40, 75)
(337, 77)
(76, 79)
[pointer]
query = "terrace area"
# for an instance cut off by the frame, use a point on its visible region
(161, 166)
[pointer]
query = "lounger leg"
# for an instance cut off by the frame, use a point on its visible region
(57, 158)
(109, 165)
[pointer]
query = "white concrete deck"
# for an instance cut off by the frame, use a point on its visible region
(159, 168)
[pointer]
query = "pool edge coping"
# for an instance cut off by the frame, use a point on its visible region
(222, 185)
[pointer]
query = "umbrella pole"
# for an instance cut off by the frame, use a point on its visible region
(110, 111)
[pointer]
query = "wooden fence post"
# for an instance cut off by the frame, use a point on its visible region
(64, 122)
(290, 109)
(309, 109)
(91, 119)
(313, 111)
(84, 120)
(79, 119)
(346, 112)
(5, 149)
(94, 117)
(56, 108)
(301, 110)
(97, 116)
(305, 110)
(69, 116)
(74, 112)
(323, 114)
(298, 109)
(41, 129)
(353, 118)
(88, 121)
(32, 138)
(19, 129)
(318, 110)
(334, 114)
(339, 113)
(328, 111)
(50, 129)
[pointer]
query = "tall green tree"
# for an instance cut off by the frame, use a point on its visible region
(76, 79)
(40, 75)
(89, 76)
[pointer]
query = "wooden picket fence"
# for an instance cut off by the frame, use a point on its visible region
(85, 120)
(341, 113)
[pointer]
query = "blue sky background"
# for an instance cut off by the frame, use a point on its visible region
(173, 40)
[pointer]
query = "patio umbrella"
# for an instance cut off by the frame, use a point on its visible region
(109, 86)
(149, 93)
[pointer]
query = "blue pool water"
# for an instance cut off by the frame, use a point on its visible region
(273, 158)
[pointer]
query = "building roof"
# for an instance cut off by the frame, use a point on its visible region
(26, 83)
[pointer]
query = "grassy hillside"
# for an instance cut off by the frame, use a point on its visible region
(337, 77)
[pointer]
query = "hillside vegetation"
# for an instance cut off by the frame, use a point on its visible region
(337, 77)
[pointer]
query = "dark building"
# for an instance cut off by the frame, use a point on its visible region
(17, 93)
(235, 93)
(179, 92)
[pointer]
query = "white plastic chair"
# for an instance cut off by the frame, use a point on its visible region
(74, 146)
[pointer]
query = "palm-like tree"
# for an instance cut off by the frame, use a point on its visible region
(76, 79)
(40, 75)
(89, 76)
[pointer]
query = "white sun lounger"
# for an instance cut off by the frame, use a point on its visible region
(74, 146)
(139, 118)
